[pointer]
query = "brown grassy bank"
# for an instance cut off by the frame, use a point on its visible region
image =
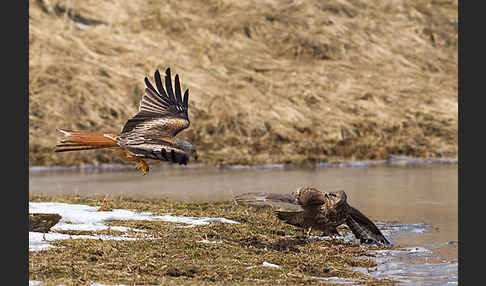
(270, 81)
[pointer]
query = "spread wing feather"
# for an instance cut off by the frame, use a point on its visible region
(304, 198)
(285, 206)
(363, 228)
(168, 85)
(278, 202)
(266, 197)
(160, 112)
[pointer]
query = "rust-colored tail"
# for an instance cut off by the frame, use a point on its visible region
(76, 141)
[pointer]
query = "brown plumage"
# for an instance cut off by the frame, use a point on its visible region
(310, 208)
(150, 134)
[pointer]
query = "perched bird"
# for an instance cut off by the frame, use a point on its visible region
(42, 222)
(310, 208)
(150, 134)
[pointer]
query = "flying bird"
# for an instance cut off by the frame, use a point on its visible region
(309, 208)
(150, 134)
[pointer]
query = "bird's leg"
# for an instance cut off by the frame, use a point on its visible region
(308, 231)
(334, 234)
(129, 157)
(142, 165)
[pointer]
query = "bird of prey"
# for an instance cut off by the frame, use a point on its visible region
(310, 208)
(150, 134)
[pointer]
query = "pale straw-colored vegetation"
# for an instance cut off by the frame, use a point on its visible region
(270, 81)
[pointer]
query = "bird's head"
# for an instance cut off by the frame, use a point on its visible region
(188, 148)
(335, 198)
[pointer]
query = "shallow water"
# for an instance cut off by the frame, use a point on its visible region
(417, 205)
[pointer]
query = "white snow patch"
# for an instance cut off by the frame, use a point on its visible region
(210, 241)
(418, 249)
(338, 280)
(34, 282)
(88, 218)
(265, 264)
(98, 284)
(37, 241)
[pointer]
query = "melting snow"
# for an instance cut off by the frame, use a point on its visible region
(396, 265)
(265, 264)
(88, 218)
(34, 282)
(338, 280)
(210, 241)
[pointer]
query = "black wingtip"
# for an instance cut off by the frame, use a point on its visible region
(149, 85)
(158, 82)
(186, 98)
(168, 85)
(178, 89)
(156, 75)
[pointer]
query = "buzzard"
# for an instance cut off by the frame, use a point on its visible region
(150, 134)
(310, 208)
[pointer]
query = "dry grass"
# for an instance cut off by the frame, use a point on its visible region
(270, 81)
(175, 257)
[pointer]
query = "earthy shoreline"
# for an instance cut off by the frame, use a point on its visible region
(390, 161)
(174, 256)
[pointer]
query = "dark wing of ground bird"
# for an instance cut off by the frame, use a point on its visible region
(363, 228)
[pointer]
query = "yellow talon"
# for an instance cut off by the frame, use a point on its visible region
(142, 165)
(309, 231)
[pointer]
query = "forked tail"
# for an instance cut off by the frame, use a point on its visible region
(76, 141)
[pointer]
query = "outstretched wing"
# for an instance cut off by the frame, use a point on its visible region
(303, 198)
(363, 228)
(289, 207)
(285, 206)
(276, 201)
(161, 112)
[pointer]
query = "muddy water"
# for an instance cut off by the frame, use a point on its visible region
(421, 203)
